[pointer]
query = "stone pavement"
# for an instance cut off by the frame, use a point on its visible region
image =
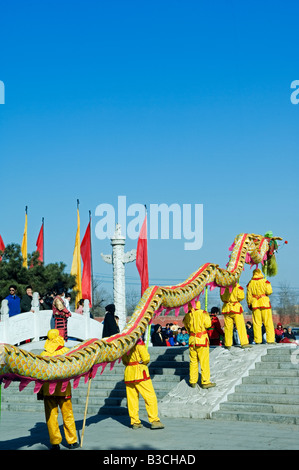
(28, 431)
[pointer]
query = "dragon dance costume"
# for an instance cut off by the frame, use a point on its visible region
(258, 291)
(233, 315)
(196, 322)
(138, 381)
(54, 346)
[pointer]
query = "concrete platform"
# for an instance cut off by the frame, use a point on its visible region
(28, 431)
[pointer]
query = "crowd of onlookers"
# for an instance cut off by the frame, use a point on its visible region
(174, 335)
(23, 304)
(169, 335)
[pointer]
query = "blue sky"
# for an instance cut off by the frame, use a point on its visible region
(161, 102)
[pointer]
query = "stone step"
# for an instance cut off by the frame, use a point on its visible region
(256, 417)
(266, 380)
(264, 398)
(262, 407)
(270, 392)
(278, 389)
(282, 373)
(271, 365)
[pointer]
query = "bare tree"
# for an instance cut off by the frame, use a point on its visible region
(100, 299)
(132, 299)
(287, 300)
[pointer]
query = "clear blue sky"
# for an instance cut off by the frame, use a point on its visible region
(165, 101)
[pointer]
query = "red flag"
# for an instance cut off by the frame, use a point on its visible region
(40, 244)
(141, 256)
(86, 258)
(2, 246)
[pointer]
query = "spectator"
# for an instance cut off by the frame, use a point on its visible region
(110, 326)
(26, 301)
(279, 333)
(60, 313)
(42, 305)
(48, 300)
(80, 306)
(14, 302)
(215, 333)
(157, 337)
(67, 299)
(174, 327)
(249, 330)
(289, 334)
(183, 337)
(171, 340)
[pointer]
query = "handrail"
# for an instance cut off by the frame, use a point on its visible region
(34, 325)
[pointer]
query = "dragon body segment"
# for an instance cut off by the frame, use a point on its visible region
(84, 359)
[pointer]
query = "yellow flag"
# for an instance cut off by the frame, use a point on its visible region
(76, 265)
(24, 243)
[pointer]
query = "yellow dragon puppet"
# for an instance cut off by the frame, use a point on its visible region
(83, 360)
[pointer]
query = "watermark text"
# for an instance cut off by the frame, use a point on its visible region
(164, 221)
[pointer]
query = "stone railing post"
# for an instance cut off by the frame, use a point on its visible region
(35, 308)
(4, 319)
(86, 315)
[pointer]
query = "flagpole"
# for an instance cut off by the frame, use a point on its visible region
(91, 266)
(24, 241)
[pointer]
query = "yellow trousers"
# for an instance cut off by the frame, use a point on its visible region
(259, 317)
(229, 320)
(146, 390)
(199, 355)
(51, 411)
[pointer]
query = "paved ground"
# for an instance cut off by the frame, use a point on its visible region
(28, 431)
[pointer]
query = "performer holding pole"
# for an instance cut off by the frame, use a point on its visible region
(258, 291)
(196, 322)
(233, 314)
(138, 381)
(54, 346)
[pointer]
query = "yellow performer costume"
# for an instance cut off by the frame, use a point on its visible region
(55, 346)
(258, 291)
(138, 381)
(233, 314)
(196, 322)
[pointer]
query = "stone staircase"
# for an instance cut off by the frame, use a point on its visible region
(269, 393)
(167, 368)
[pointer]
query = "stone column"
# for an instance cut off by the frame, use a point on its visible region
(118, 259)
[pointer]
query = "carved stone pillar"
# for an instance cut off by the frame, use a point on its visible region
(118, 259)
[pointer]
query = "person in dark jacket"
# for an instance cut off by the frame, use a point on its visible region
(110, 326)
(250, 333)
(157, 337)
(26, 300)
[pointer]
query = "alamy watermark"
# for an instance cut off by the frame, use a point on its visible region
(2, 92)
(186, 221)
(295, 94)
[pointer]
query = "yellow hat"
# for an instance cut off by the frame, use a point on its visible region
(54, 344)
(52, 334)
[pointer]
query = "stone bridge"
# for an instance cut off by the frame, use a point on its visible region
(34, 326)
